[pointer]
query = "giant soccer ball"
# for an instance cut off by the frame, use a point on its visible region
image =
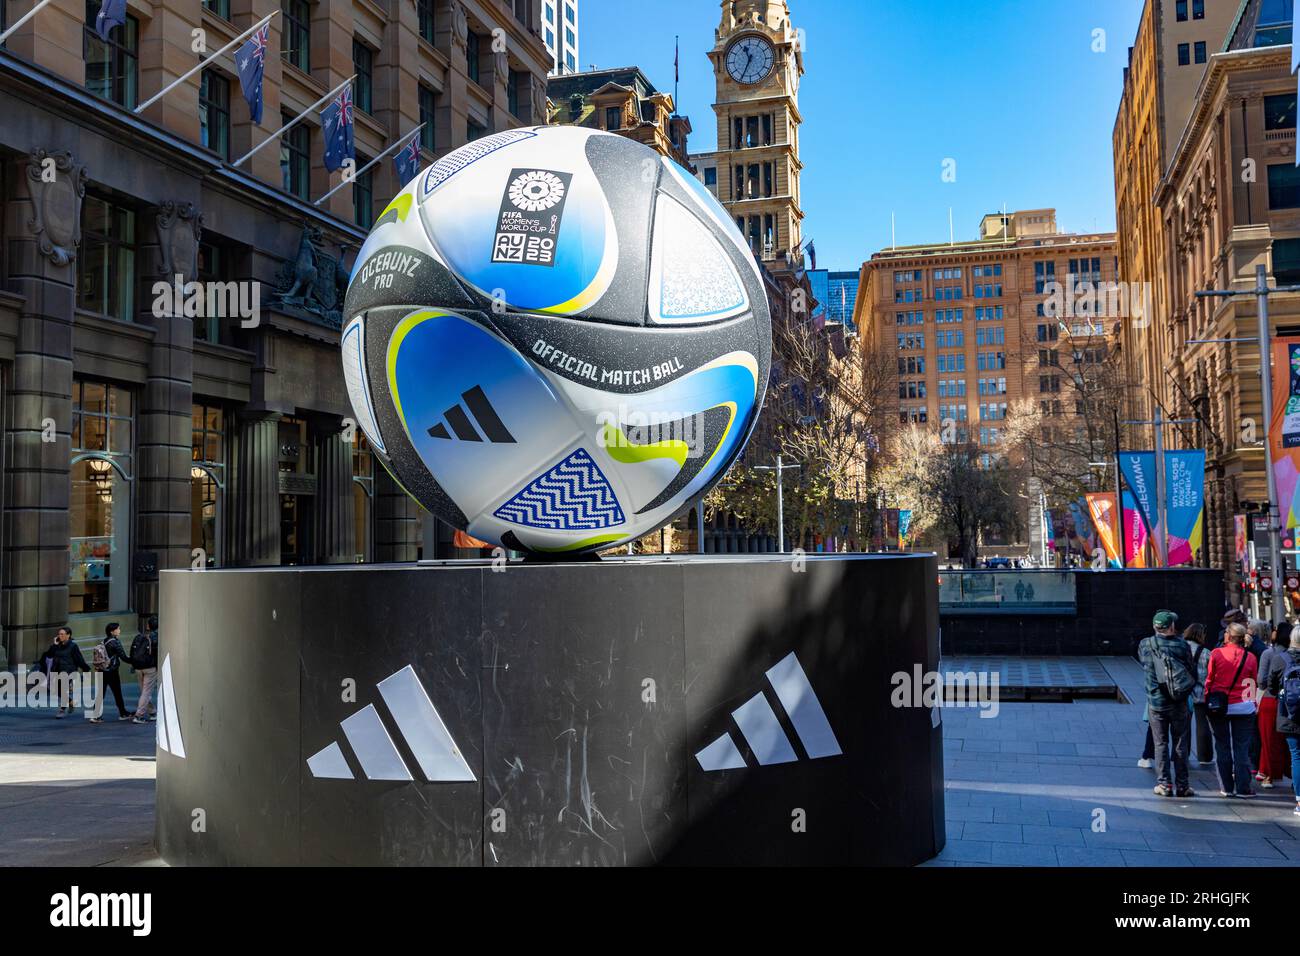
(556, 339)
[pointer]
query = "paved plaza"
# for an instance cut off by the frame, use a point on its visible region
(1023, 789)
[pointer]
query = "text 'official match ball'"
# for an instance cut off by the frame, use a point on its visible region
(555, 339)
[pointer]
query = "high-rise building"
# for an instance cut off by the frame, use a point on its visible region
(841, 297)
(1166, 63)
(140, 436)
(560, 33)
(971, 329)
(1228, 202)
(621, 101)
(758, 62)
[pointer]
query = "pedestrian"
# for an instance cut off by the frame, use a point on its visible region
(144, 657)
(1283, 681)
(1234, 616)
(1170, 674)
(1230, 704)
(1258, 641)
(107, 660)
(1196, 637)
(62, 659)
(1273, 759)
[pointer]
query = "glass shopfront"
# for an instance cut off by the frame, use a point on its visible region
(99, 576)
(207, 481)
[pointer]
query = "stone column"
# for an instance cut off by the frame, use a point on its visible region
(165, 421)
(43, 231)
(253, 498)
(335, 507)
(397, 526)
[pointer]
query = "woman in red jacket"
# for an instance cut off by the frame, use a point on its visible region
(1230, 700)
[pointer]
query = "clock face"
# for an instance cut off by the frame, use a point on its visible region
(750, 59)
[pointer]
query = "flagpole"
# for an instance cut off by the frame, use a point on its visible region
(293, 122)
(677, 54)
(23, 19)
(181, 79)
(398, 142)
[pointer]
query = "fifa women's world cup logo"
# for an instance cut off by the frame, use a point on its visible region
(528, 226)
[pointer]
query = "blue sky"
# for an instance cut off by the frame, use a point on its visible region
(1010, 89)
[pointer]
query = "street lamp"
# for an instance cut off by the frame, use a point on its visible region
(780, 470)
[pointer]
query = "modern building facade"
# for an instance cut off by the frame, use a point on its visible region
(758, 64)
(621, 101)
(970, 326)
(1166, 63)
(142, 433)
(1229, 202)
(560, 31)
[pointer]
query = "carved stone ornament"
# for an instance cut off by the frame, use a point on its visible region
(503, 67)
(179, 227)
(460, 25)
(56, 185)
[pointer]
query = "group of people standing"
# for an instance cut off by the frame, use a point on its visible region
(1241, 690)
(63, 656)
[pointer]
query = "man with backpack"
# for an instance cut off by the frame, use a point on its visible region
(1283, 681)
(1170, 678)
(144, 658)
(107, 658)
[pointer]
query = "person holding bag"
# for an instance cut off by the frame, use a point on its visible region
(1230, 703)
(1282, 680)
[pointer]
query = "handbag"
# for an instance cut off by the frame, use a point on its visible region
(1216, 702)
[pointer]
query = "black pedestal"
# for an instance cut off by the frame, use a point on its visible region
(690, 710)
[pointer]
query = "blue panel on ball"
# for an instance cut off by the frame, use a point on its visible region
(572, 496)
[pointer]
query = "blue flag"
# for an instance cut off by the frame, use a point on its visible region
(336, 122)
(112, 13)
(250, 61)
(407, 161)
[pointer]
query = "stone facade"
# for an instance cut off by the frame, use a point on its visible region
(139, 437)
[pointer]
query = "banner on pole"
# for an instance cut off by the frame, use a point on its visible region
(1101, 507)
(1239, 540)
(1135, 534)
(1284, 429)
(1184, 504)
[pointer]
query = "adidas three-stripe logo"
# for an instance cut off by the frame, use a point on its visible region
(762, 729)
(462, 424)
(418, 724)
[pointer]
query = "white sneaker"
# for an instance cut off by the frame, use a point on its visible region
(1266, 785)
(1146, 763)
(1296, 811)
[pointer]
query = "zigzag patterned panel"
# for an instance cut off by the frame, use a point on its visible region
(574, 495)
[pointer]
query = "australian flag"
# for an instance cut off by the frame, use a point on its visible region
(250, 61)
(112, 13)
(336, 121)
(407, 161)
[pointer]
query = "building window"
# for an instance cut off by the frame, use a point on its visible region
(1198, 9)
(295, 37)
(568, 12)
(207, 476)
(427, 21)
(1286, 261)
(474, 130)
(1180, 10)
(363, 195)
(1184, 54)
(613, 118)
(570, 62)
(363, 65)
(1199, 51)
(112, 68)
(214, 112)
(428, 106)
(1283, 186)
(1044, 275)
(99, 513)
(106, 263)
(214, 267)
(515, 82)
(220, 7)
(711, 176)
(1279, 111)
(295, 164)
(472, 42)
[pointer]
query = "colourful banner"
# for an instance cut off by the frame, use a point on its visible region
(1051, 530)
(1239, 541)
(1080, 528)
(904, 526)
(1101, 506)
(1184, 504)
(1284, 429)
(1135, 534)
(1139, 470)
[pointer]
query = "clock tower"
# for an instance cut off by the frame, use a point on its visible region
(757, 63)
